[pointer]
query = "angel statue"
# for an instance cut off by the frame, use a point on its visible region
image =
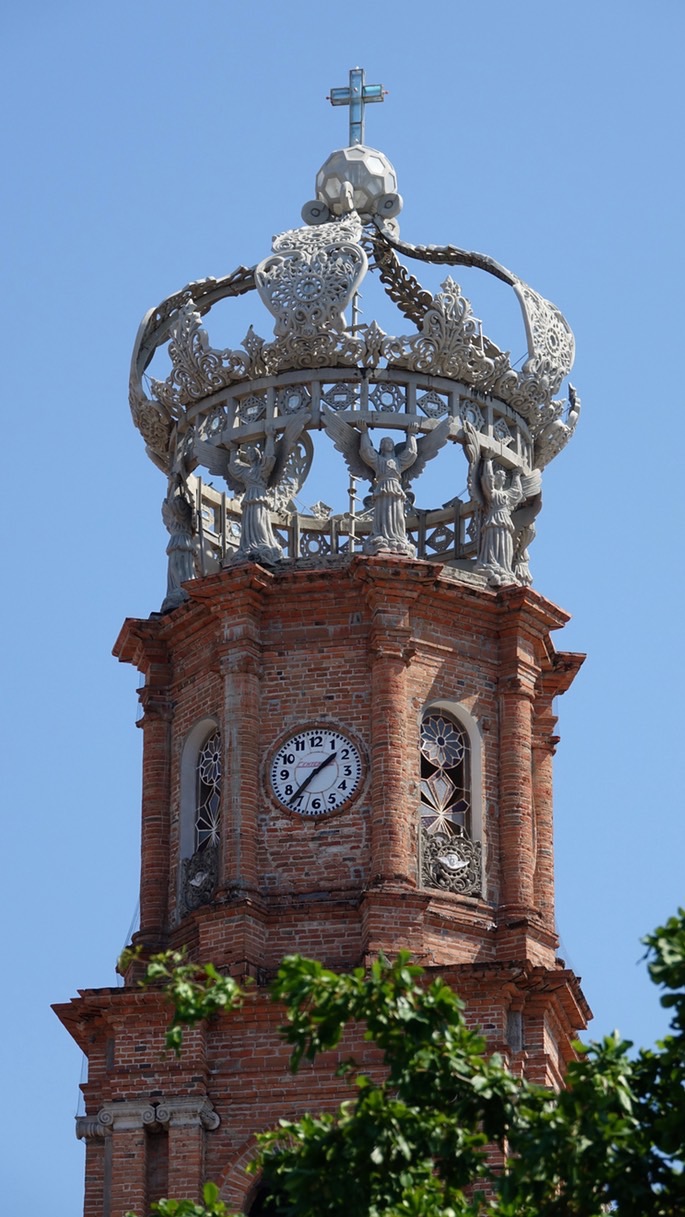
(556, 434)
(254, 474)
(178, 514)
(497, 502)
(523, 520)
(390, 475)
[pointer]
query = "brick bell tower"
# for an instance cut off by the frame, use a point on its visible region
(347, 719)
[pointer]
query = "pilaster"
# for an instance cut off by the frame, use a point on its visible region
(516, 829)
(391, 589)
(140, 643)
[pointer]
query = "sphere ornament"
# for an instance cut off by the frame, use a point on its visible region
(358, 178)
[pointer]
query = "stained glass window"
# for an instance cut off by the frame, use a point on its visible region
(208, 797)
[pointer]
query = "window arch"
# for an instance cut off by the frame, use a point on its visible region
(208, 793)
(450, 807)
(200, 821)
(264, 1204)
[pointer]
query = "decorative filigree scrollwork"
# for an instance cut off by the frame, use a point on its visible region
(449, 858)
(234, 402)
(295, 470)
(454, 863)
(403, 289)
(252, 408)
(449, 343)
(198, 370)
(311, 277)
(550, 340)
(154, 425)
(200, 874)
(388, 398)
(293, 399)
(432, 404)
(341, 396)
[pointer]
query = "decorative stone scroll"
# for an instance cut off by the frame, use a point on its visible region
(184, 1111)
(198, 370)
(200, 875)
(451, 863)
(307, 284)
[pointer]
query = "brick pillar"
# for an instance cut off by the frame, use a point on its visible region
(544, 747)
(394, 733)
(128, 1184)
(238, 605)
(98, 1165)
(155, 862)
(517, 859)
(187, 1119)
(240, 668)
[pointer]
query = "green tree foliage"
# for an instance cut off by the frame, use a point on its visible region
(443, 1129)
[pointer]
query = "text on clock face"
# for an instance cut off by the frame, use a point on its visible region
(316, 772)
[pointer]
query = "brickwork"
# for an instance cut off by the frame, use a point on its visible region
(365, 644)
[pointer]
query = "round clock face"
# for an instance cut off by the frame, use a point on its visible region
(316, 771)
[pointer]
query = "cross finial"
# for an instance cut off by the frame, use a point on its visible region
(356, 95)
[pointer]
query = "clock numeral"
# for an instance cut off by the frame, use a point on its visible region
(296, 802)
(348, 771)
(345, 754)
(331, 798)
(299, 745)
(316, 804)
(285, 774)
(289, 759)
(342, 785)
(288, 790)
(316, 741)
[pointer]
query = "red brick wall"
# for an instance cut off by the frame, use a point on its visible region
(365, 644)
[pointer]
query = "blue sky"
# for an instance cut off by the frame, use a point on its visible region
(147, 144)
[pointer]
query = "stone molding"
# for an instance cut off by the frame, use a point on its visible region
(131, 1114)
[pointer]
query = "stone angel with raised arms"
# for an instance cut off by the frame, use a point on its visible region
(390, 468)
(497, 502)
(178, 513)
(254, 472)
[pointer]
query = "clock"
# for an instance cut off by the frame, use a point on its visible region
(316, 771)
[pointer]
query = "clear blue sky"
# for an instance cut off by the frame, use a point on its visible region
(149, 143)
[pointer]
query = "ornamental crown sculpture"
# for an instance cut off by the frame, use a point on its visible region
(245, 414)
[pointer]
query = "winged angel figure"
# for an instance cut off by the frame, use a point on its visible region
(506, 514)
(254, 473)
(178, 514)
(388, 469)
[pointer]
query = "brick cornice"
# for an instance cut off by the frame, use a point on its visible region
(234, 585)
(156, 704)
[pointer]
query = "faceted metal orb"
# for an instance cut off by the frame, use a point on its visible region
(370, 174)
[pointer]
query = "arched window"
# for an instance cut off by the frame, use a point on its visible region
(200, 829)
(208, 793)
(451, 853)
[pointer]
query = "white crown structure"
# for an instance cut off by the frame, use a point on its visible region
(245, 415)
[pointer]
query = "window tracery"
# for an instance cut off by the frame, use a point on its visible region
(208, 798)
(450, 858)
(200, 815)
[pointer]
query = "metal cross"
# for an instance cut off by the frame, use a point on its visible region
(356, 96)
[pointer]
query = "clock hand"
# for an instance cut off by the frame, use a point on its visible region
(310, 777)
